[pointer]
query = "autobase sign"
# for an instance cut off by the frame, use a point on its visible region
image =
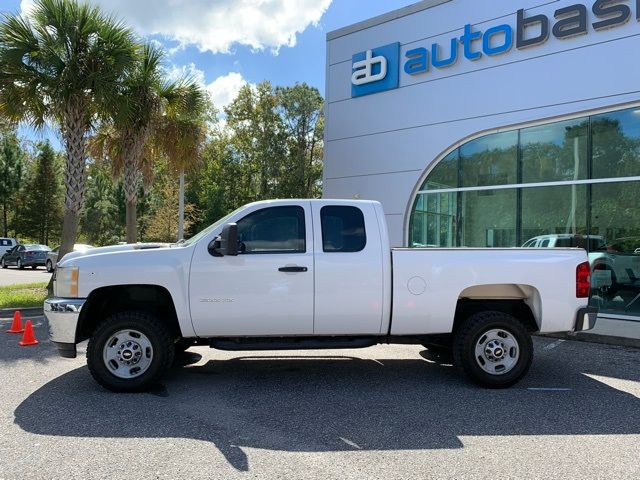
(378, 69)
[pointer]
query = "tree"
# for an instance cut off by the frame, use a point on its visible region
(155, 118)
(271, 147)
(258, 139)
(100, 221)
(40, 213)
(125, 140)
(301, 109)
(62, 63)
(11, 168)
(163, 225)
(182, 132)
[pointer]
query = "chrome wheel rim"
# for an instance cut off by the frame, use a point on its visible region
(127, 353)
(497, 351)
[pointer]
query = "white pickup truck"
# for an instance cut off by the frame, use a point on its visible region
(296, 274)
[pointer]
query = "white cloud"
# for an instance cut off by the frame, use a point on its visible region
(191, 71)
(223, 90)
(216, 25)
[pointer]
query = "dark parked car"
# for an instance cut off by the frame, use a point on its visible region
(29, 255)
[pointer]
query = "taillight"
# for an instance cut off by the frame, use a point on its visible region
(583, 280)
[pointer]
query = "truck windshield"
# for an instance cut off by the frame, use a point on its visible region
(210, 228)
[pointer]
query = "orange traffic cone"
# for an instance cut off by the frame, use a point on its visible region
(28, 338)
(16, 325)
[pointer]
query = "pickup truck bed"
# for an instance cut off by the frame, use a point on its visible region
(432, 281)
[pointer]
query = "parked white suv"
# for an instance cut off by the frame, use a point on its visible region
(562, 240)
(295, 274)
(615, 265)
(7, 244)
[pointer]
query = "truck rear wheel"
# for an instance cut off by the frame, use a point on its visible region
(130, 351)
(493, 349)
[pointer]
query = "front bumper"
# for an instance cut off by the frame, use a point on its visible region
(586, 319)
(62, 315)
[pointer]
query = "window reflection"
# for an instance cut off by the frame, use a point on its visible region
(554, 214)
(490, 160)
(489, 218)
(602, 218)
(616, 265)
(433, 221)
(616, 144)
(554, 152)
(445, 174)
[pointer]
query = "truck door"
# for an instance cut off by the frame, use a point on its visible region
(268, 288)
(348, 269)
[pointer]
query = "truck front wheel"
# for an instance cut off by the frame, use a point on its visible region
(130, 351)
(493, 349)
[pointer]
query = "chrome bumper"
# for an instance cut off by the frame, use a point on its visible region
(62, 315)
(586, 319)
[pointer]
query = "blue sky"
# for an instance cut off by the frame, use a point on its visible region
(225, 43)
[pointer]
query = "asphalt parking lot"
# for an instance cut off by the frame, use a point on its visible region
(13, 276)
(387, 412)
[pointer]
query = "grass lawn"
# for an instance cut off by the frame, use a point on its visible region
(27, 295)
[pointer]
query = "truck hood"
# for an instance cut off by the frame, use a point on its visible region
(113, 248)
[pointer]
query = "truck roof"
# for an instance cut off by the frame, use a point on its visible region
(324, 201)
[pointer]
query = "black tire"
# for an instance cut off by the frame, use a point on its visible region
(471, 332)
(19, 264)
(3, 264)
(161, 342)
(49, 266)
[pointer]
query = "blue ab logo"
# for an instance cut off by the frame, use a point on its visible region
(375, 70)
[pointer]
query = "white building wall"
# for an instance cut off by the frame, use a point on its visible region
(379, 146)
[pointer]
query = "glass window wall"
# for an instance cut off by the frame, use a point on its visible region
(587, 205)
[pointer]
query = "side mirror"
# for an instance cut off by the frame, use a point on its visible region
(226, 243)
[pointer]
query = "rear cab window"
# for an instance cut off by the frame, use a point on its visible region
(343, 229)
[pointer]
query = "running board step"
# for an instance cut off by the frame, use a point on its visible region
(292, 343)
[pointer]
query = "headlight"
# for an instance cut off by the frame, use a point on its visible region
(66, 284)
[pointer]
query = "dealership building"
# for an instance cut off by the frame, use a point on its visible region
(480, 123)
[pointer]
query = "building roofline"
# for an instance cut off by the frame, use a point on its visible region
(384, 18)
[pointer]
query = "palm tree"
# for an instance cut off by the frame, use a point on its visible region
(155, 118)
(126, 140)
(62, 63)
(182, 133)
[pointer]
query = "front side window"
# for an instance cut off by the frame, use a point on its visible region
(273, 230)
(342, 229)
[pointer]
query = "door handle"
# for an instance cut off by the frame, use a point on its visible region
(292, 269)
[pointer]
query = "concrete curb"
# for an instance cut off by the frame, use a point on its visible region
(26, 312)
(597, 338)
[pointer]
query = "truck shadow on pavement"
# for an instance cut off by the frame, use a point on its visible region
(339, 403)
